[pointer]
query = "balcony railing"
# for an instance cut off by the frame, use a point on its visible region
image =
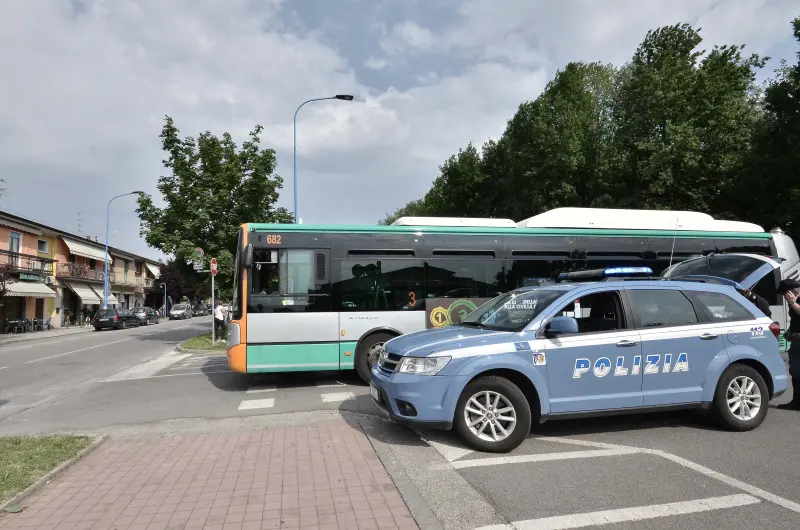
(83, 272)
(27, 263)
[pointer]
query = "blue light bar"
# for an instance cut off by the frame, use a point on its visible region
(628, 270)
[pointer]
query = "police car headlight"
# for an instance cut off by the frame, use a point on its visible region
(422, 365)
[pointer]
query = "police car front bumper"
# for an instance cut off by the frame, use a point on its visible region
(416, 400)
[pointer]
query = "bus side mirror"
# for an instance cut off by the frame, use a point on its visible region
(247, 259)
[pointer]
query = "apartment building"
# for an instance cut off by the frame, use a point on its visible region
(55, 275)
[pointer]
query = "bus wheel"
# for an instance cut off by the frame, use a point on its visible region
(367, 353)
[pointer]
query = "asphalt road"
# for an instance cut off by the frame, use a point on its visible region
(650, 471)
(38, 374)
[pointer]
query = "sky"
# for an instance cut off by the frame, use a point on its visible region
(86, 85)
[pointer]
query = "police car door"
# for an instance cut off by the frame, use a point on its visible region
(599, 367)
(678, 345)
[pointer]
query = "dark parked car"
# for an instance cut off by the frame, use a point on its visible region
(180, 312)
(146, 315)
(199, 310)
(114, 319)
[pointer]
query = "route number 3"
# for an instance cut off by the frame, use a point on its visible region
(412, 299)
(273, 240)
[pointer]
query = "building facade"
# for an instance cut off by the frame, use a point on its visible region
(54, 276)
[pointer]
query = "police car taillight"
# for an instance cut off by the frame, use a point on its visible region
(775, 328)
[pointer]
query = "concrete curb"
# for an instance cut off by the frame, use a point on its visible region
(33, 337)
(47, 477)
(373, 429)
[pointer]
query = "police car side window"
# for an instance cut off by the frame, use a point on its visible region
(661, 308)
(722, 308)
(596, 312)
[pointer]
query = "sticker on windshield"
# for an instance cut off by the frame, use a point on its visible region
(539, 359)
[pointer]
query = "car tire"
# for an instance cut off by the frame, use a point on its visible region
(733, 379)
(97, 329)
(367, 354)
(510, 396)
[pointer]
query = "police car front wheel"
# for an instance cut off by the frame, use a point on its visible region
(742, 398)
(493, 415)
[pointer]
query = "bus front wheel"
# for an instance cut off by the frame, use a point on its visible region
(367, 353)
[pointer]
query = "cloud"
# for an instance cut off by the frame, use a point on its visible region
(87, 85)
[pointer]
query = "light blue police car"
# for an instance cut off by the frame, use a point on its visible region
(583, 347)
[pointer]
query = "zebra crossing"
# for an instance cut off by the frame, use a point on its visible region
(323, 394)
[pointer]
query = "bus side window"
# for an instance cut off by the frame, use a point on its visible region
(378, 284)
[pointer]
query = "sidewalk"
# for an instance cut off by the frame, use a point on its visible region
(54, 333)
(325, 476)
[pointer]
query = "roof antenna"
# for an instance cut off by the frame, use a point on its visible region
(674, 236)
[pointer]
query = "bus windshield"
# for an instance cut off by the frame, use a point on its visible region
(512, 311)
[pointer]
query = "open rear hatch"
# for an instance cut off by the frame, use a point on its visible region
(742, 271)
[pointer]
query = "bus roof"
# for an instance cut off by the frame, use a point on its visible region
(559, 221)
(490, 231)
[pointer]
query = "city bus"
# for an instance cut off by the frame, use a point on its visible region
(326, 297)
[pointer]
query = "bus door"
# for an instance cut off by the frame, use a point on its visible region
(290, 325)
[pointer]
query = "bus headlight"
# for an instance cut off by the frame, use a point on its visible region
(234, 332)
(422, 365)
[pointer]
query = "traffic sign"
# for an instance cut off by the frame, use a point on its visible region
(213, 266)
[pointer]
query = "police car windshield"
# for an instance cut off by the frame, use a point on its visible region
(512, 311)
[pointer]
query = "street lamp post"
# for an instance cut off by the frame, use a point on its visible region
(343, 97)
(107, 257)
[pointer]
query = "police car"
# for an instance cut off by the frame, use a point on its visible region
(581, 347)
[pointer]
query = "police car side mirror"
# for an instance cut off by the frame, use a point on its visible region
(561, 326)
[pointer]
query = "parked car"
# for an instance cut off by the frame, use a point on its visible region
(180, 312)
(146, 315)
(114, 319)
(200, 310)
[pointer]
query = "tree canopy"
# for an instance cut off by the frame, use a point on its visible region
(677, 127)
(212, 187)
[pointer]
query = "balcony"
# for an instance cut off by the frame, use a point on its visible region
(27, 263)
(74, 271)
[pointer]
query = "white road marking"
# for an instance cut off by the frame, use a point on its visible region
(639, 513)
(748, 488)
(261, 390)
(148, 368)
(252, 404)
(336, 396)
(449, 452)
(188, 373)
(3, 367)
(328, 384)
(544, 457)
(77, 351)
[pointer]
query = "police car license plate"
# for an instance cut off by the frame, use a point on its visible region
(376, 395)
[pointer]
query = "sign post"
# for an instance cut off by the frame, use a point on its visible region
(213, 304)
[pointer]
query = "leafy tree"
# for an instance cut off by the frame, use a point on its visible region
(773, 169)
(413, 208)
(213, 186)
(684, 120)
(6, 273)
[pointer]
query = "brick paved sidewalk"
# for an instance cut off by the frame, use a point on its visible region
(324, 476)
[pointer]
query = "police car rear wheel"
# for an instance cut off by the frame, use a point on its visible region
(742, 398)
(493, 415)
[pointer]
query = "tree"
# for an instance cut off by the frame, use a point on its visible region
(212, 188)
(773, 169)
(6, 270)
(413, 208)
(684, 121)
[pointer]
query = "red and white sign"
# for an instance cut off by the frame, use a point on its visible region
(213, 266)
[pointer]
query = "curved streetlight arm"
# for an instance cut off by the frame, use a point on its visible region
(107, 257)
(343, 97)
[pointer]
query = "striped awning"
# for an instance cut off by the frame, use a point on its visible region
(112, 300)
(154, 270)
(84, 292)
(82, 249)
(29, 290)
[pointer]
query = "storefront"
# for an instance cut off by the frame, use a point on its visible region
(27, 300)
